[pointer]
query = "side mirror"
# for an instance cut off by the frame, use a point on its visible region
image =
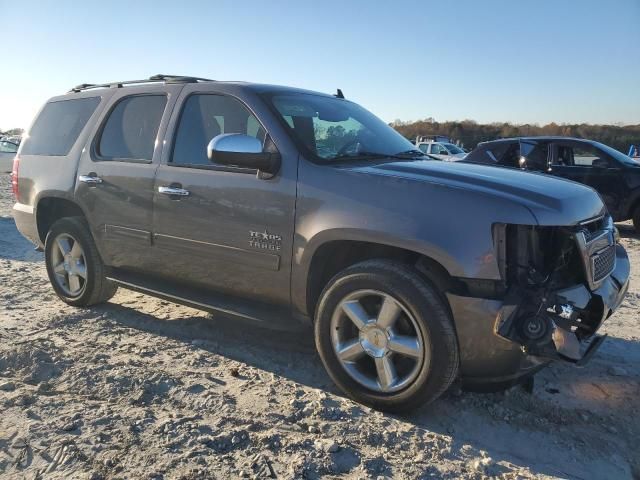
(241, 150)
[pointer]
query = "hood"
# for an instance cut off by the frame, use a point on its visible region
(551, 200)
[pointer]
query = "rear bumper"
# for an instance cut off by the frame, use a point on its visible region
(490, 355)
(25, 218)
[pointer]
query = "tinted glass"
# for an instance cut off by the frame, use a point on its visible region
(132, 128)
(586, 155)
(496, 152)
(511, 156)
(333, 129)
(58, 126)
(205, 116)
(536, 154)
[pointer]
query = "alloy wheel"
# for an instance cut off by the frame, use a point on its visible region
(69, 265)
(377, 341)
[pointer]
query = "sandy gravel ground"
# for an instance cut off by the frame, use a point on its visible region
(142, 388)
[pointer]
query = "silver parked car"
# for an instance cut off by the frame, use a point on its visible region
(8, 150)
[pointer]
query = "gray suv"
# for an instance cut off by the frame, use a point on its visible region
(290, 209)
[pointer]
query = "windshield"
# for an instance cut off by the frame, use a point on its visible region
(333, 129)
(453, 149)
(619, 156)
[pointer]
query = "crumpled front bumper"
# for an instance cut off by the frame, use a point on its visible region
(568, 342)
(493, 352)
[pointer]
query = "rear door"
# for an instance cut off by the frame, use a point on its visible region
(117, 169)
(582, 162)
(230, 231)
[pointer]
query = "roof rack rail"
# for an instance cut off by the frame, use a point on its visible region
(153, 79)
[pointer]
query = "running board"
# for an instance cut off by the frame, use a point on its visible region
(263, 314)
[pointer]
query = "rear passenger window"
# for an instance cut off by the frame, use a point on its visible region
(132, 127)
(511, 156)
(205, 116)
(536, 155)
(58, 126)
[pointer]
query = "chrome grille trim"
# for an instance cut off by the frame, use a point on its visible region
(598, 252)
(603, 263)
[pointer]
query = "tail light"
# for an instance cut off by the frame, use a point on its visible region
(14, 177)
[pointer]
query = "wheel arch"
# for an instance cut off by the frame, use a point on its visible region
(333, 256)
(51, 207)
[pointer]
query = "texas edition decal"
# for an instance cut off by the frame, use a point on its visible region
(265, 240)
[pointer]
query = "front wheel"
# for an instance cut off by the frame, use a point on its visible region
(385, 336)
(74, 266)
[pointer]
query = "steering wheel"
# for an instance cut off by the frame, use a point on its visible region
(343, 150)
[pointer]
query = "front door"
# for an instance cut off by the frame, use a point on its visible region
(221, 227)
(116, 173)
(582, 162)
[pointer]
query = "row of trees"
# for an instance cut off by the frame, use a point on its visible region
(470, 133)
(13, 131)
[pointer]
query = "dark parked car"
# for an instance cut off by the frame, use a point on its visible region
(285, 207)
(614, 175)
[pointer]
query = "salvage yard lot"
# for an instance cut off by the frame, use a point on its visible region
(142, 388)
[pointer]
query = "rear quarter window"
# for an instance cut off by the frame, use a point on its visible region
(58, 126)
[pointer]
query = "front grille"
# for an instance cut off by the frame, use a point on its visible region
(597, 248)
(603, 263)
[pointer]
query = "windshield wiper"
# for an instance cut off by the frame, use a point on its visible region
(360, 156)
(410, 153)
(377, 155)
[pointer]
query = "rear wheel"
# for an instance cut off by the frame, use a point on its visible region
(74, 266)
(385, 336)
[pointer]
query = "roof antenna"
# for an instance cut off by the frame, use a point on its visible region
(339, 94)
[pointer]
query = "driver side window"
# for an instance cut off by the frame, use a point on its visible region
(579, 156)
(585, 156)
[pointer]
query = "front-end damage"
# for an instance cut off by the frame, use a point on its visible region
(560, 284)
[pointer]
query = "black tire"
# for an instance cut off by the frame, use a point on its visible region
(425, 304)
(636, 219)
(96, 288)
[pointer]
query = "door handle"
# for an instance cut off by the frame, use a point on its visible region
(168, 190)
(91, 179)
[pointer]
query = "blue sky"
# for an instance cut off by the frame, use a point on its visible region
(523, 62)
